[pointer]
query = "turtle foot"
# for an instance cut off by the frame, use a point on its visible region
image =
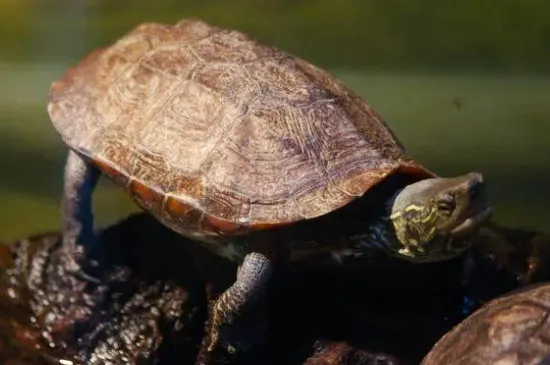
(89, 272)
(233, 333)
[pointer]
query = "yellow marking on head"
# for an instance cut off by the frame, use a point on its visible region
(414, 207)
(426, 219)
(405, 251)
(432, 231)
(396, 215)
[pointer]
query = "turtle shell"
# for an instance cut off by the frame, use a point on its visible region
(213, 132)
(512, 329)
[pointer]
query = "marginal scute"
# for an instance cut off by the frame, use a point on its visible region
(267, 226)
(111, 172)
(147, 197)
(355, 186)
(314, 204)
(411, 168)
(227, 227)
(226, 205)
(265, 215)
(229, 132)
(176, 207)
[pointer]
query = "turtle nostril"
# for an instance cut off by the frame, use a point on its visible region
(475, 190)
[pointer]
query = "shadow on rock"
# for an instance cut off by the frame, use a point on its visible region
(152, 308)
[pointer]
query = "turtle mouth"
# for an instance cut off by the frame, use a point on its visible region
(473, 218)
(478, 211)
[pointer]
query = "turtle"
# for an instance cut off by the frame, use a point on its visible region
(253, 153)
(511, 329)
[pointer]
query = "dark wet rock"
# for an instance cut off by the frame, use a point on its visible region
(152, 307)
(145, 299)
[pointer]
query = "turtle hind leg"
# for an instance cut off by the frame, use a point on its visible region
(81, 246)
(253, 278)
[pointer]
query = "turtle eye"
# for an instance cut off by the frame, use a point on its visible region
(446, 203)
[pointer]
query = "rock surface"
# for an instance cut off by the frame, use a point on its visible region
(152, 308)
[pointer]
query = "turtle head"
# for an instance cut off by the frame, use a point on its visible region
(430, 216)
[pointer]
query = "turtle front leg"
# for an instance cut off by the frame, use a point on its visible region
(249, 289)
(79, 238)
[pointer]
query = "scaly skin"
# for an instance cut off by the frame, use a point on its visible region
(252, 279)
(80, 242)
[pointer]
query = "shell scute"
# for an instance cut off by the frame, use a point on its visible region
(226, 226)
(182, 217)
(177, 208)
(172, 61)
(226, 46)
(278, 86)
(263, 214)
(229, 81)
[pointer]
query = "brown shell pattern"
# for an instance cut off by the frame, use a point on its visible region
(213, 132)
(512, 329)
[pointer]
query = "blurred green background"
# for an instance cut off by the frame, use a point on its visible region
(465, 85)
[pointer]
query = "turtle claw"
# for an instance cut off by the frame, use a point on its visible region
(78, 272)
(76, 269)
(230, 348)
(214, 342)
(221, 321)
(86, 277)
